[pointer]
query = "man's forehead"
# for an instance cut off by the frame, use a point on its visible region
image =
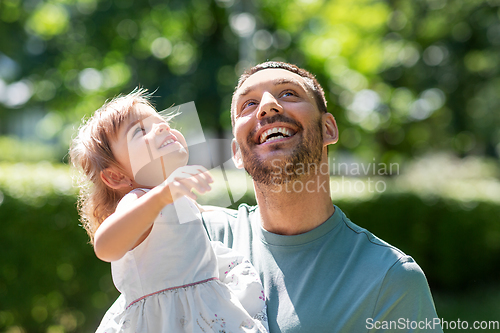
(269, 76)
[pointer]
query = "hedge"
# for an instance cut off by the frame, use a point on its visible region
(51, 281)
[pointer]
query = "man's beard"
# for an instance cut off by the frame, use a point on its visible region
(303, 160)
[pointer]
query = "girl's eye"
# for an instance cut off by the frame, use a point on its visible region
(138, 130)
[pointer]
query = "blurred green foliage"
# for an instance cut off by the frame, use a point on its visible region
(402, 77)
(13, 150)
(51, 280)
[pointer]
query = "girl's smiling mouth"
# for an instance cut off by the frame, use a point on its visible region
(169, 140)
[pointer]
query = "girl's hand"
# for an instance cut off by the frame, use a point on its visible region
(188, 178)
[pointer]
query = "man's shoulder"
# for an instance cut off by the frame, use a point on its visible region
(371, 246)
(381, 261)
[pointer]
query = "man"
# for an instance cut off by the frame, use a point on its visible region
(321, 272)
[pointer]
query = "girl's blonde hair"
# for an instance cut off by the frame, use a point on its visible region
(91, 152)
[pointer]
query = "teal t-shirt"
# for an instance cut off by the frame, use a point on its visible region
(337, 277)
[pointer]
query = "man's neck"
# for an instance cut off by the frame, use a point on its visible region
(295, 207)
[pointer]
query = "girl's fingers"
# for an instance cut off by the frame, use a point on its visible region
(179, 189)
(202, 180)
(208, 177)
(193, 177)
(201, 170)
(193, 183)
(206, 174)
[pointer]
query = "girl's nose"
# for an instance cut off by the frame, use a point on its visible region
(160, 127)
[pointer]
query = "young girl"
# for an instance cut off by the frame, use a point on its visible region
(171, 278)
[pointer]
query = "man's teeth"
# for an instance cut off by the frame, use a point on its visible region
(281, 131)
(169, 141)
(274, 138)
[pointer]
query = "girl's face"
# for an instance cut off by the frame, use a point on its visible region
(148, 149)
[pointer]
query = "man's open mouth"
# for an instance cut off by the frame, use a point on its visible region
(275, 133)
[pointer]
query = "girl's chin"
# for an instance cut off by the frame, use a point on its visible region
(158, 170)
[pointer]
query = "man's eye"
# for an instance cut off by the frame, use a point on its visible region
(247, 105)
(288, 93)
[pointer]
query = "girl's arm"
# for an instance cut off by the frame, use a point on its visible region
(130, 224)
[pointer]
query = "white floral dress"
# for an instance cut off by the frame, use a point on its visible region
(177, 281)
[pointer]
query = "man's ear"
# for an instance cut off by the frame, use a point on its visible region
(235, 149)
(330, 130)
(115, 179)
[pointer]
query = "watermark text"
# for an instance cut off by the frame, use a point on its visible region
(431, 324)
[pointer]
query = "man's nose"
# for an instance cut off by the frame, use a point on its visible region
(268, 106)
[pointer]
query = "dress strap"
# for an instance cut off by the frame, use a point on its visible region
(145, 190)
(172, 288)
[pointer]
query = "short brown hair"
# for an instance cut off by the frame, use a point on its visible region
(311, 82)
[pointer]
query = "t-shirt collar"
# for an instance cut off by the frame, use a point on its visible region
(281, 240)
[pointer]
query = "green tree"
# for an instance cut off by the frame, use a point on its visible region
(402, 77)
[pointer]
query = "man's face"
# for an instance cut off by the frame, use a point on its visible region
(277, 125)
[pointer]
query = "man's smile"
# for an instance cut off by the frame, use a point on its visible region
(274, 132)
(275, 129)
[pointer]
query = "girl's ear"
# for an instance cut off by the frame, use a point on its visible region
(115, 179)
(235, 149)
(330, 130)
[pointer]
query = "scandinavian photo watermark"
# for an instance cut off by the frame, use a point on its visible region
(427, 324)
(334, 168)
(370, 176)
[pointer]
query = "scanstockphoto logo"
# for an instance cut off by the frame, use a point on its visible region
(152, 164)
